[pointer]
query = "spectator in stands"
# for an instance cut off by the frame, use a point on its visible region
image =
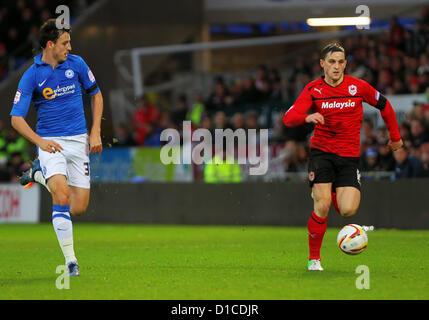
(16, 144)
(16, 166)
(220, 120)
(249, 93)
(416, 112)
(302, 155)
(404, 130)
(235, 89)
(145, 120)
(207, 123)
(424, 156)
(276, 85)
(261, 77)
(426, 116)
(424, 81)
(367, 133)
(397, 87)
(238, 121)
(369, 162)
(180, 111)
(265, 90)
(197, 110)
(216, 101)
(230, 101)
(274, 76)
(407, 166)
(289, 154)
(418, 133)
(423, 65)
(382, 135)
(414, 85)
(384, 80)
(278, 132)
(298, 68)
(219, 171)
(251, 119)
(123, 137)
(396, 36)
(386, 161)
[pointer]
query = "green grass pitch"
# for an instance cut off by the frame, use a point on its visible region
(154, 262)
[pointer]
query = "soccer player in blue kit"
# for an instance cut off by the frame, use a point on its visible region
(54, 83)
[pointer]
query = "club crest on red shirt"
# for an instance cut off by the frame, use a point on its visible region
(352, 89)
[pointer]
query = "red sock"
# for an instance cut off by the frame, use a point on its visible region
(316, 230)
(334, 201)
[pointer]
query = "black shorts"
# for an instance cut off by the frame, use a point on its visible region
(325, 167)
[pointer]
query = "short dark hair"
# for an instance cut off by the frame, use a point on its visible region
(49, 32)
(331, 47)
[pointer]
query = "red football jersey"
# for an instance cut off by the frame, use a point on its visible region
(341, 107)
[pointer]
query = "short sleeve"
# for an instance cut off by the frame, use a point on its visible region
(86, 78)
(24, 94)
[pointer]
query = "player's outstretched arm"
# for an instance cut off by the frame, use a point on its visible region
(95, 143)
(20, 125)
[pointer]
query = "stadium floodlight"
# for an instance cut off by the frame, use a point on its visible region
(339, 21)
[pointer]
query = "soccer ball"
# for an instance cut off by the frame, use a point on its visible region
(352, 239)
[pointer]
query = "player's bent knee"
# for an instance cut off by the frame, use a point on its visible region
(62, 199)
(348, 212)
(326, 204)
(77, 211)
(322, 208)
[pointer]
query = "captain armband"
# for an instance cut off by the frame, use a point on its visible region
(381, 103)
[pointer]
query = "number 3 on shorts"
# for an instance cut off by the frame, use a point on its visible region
(86, 165)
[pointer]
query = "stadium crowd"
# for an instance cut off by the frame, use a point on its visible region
(20, 21)
(14, 154)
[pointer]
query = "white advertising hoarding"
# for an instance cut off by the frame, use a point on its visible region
(19, 204)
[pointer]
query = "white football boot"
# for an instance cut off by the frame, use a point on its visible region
(314, 265)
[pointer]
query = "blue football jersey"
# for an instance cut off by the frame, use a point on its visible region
(57, 96)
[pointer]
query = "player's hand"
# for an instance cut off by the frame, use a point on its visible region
(395, 145)
(315, 118)
(50, 146)
(95, 144)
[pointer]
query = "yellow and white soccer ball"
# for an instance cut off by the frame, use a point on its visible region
(352, 239)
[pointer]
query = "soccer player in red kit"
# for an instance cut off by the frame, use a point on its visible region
(335, 101)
